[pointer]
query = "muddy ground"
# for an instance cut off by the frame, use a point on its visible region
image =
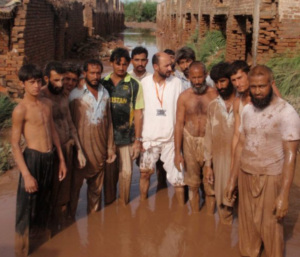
(158, 227)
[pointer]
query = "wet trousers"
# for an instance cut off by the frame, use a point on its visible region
(33, 210)
(257, 223)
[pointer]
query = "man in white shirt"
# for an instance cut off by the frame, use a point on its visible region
(161, 92)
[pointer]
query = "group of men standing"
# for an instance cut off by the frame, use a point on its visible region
(213, 130)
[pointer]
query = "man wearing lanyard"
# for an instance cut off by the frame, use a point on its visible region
(161, 92)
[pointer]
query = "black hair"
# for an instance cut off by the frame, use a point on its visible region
(185, 53)
(118, 53)
(53, 66)
(92, 62)
(139, 50)
(169, 52)
(238, 65)
(220, 70)
(29, 71)
(72, 68)
(155, 59)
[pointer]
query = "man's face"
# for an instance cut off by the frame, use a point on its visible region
(197, 78)
(260, 91)
(164, 67)
(70, 81)
(240, 81)
(93, 75)
(139, 63)
(55, 82)
(120, 68)
(32, 86)
(224, 87)
(184, 66)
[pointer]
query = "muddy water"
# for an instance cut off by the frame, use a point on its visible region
(154, 228)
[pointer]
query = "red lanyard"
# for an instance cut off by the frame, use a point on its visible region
(160, 99)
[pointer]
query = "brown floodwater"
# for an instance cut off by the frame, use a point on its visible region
(154, 228)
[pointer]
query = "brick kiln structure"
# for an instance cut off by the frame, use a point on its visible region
(254, 29)
(36, 31)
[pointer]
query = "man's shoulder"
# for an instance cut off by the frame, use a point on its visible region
(76, 93)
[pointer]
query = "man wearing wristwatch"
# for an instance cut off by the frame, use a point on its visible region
(127, 103)
(161, 93)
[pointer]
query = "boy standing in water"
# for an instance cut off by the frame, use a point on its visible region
(32, 118)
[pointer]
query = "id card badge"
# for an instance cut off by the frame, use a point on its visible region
(161, 112)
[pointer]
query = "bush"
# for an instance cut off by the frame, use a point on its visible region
(138, 11)
(6, 161)
(210, 49)
(286, 68)
(6, 108)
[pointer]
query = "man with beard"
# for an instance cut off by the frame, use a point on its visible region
(139, 61)
(264, 166)
(161, 92)
(189, 134)
(218, 138)
(54, 75)
(239, 78)
(127, 103)
(184, 57)
(91, 114)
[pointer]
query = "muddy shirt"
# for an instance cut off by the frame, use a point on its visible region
(92, 119)
(265, 130)
(125, 97)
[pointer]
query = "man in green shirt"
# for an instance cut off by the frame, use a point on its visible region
(127, 103)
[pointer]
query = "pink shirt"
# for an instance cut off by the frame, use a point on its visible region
(265, 130)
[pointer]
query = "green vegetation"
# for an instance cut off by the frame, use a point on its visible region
(6, 108)
(286, 68)
(138, 11)
(6, 161)
(210, 49)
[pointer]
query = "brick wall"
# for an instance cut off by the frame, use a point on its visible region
(249, 34)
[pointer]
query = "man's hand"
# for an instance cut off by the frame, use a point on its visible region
(62, 170)
(31, 184)
(81, 159)
(281, 206)
(136, 149)
(179, 161)
(229, 191)
(111, 156)
(209, 175)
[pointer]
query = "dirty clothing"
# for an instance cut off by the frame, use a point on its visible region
(92, 119)
(257, 223)
(166, 152)
(193, 153)
(33, 210)
(125, 97)
(217, 146)
(265, 131)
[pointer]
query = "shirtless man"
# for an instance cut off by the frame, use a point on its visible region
(218, 138)
(54, 90)
(32, 118)
(189, 134)
(90, 110)
(264, 166)
(161, 92)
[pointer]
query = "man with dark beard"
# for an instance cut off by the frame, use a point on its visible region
(189, 134)
(218, 138)
(90, 109)
(264, 166)
(161, 92)
(54, 75)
